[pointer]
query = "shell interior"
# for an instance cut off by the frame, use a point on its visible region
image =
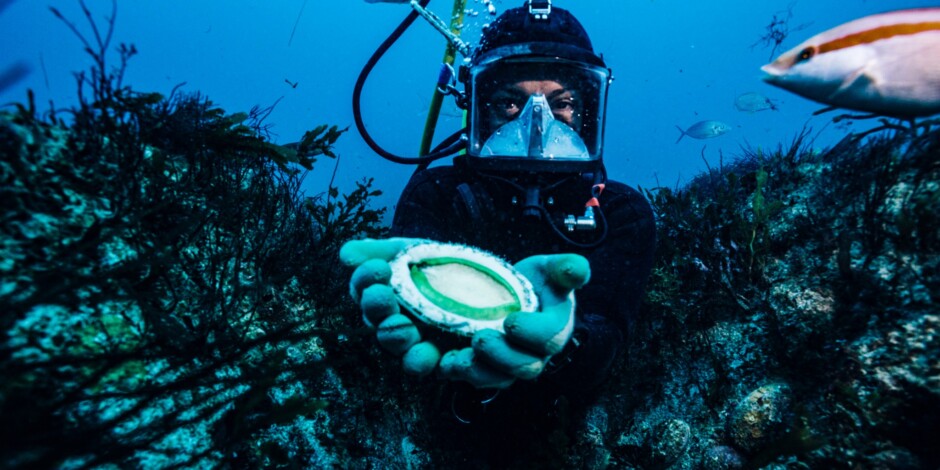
(458, 288)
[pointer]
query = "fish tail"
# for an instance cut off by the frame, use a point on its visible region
(680, 135)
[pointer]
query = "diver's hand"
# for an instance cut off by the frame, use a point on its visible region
(369, 286)
(495, 360)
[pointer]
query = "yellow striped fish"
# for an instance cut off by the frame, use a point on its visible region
(886, 64)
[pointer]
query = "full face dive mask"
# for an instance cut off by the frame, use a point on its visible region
(556, 127)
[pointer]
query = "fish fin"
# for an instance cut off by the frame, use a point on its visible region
(680, 135)
(860, 82)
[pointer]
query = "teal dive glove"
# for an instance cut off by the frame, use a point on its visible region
(494, 359)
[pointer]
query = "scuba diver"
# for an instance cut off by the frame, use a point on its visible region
(530, 185)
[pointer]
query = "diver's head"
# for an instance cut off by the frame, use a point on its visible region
(537, 94)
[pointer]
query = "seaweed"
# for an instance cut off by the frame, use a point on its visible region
(778, 30)
(164, 282)
(813, 268)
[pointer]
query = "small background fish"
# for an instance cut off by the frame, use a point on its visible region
(704, 130)
(753, 102)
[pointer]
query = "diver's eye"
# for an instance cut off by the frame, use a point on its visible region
(509, 107)
(806, 54)
(506, 107)
(565, 104)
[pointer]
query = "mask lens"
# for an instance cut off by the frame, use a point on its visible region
(537, 108)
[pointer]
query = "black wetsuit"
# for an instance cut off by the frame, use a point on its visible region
(457, 204)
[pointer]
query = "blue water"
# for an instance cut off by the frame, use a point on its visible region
(676, 62)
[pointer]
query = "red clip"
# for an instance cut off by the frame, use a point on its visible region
(596, 191)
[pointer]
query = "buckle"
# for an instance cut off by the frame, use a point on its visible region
(540, 9)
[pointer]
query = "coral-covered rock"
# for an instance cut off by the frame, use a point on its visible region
(722, 458)
(762, 417)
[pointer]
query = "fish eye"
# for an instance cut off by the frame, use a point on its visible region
(806, 54)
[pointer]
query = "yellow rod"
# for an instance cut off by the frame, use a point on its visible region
(450, 54)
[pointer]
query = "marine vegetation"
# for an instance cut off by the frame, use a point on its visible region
(167, 291)
(791, 316)
(778, 30)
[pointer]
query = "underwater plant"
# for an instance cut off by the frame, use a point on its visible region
(791, 314)
(163, 280)
(779, 29)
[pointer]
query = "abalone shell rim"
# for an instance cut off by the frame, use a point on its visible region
(426, 311)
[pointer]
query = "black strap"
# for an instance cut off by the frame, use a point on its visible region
(470, 203)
